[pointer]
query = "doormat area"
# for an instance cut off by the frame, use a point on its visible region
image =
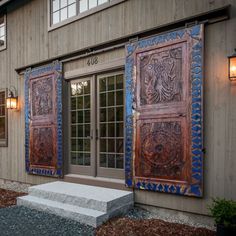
(8, 197)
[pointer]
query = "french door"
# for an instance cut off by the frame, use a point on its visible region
(97, 126)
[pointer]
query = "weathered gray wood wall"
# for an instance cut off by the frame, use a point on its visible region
(30, 42)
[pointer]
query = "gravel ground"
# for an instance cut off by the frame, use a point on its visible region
(14, 186)
(21, 221)
(138, 213)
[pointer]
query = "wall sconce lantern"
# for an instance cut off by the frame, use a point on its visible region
(12, 99)
(232, 66)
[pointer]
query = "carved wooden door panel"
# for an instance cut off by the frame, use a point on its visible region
(162, 104)
(164, 126)
(43, 120)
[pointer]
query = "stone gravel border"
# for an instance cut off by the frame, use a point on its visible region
(138, 213)
(14, 186)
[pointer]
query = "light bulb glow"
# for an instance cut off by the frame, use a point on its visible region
(12, 103)
(232, 68)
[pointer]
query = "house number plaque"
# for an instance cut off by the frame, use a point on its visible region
(92, 61)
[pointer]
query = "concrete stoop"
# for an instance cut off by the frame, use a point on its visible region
(86, 204)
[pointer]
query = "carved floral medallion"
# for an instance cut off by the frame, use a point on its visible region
(161, 151)
(42, 148)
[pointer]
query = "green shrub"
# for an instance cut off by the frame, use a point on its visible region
(224, 212)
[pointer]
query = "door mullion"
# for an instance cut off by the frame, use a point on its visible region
(94, 122)
(97, 102)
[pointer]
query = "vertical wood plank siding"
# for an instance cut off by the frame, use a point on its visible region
(28, 41)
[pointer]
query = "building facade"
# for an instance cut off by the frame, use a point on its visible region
(127, 94)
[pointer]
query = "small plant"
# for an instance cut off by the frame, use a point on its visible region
(224, 212)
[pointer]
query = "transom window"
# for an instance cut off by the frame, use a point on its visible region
(64, 9)
(2, 32)
(3, 119)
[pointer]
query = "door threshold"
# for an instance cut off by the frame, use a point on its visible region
(97, 181)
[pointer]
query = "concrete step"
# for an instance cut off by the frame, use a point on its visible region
(83, 215)
(97, 198)
(86, 204)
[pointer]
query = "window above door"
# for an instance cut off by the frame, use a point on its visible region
(63, 12)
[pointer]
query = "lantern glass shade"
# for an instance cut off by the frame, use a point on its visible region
(12, 103)
(232, 68)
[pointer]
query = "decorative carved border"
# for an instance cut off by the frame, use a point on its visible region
(54, 68)
(194, 38)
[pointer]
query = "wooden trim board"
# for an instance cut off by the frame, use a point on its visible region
(112, 65)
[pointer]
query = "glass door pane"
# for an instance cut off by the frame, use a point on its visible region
(110, 124)
(81, 131)
(97, 126)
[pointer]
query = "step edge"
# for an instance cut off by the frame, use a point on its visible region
(67, 198)
(128, 199)
(28, 197)
(34, 188)
(78, 217)
(83, 184)
(117, 211)
(104, 206)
